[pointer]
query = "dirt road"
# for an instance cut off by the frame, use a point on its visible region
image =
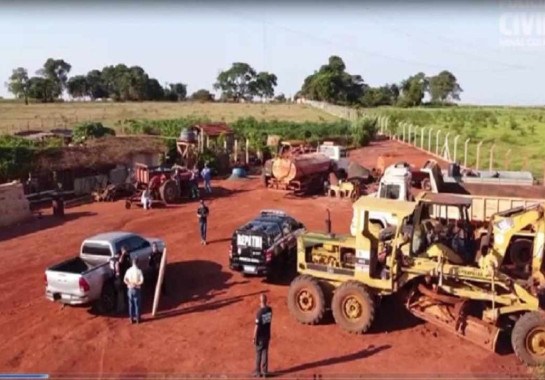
(206, 321)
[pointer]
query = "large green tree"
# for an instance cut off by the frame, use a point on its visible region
(176, 92)
(19, 83)
(77, 86)
(333, 84)
(242, 82)
(202, 95)
(413, 90)
(444, 87)
(56, 72)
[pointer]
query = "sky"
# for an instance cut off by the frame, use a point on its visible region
(496, 60)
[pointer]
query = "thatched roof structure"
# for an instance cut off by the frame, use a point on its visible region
(98, 153)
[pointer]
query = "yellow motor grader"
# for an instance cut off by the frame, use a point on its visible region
(472, 283)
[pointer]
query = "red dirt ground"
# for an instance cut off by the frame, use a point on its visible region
(206, 321)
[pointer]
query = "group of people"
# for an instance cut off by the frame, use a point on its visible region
(155, 182)
(129, 279)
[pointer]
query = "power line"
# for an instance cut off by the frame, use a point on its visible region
(367, 51)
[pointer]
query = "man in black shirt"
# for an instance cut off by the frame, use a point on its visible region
(202, 213)
(262, 337)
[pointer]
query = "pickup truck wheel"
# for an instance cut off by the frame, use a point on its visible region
(306, 301)
(353, 307)
(528, 338)
(108, 299)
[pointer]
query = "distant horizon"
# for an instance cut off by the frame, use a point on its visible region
(384, 43)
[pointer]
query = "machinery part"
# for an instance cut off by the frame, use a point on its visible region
(306, 300)
(528, 338)
(265, 180)
(453, 318)
(128, 204)
(356, 193)
(520, 252)
(353, 307)
(169, 191)
(436, 296)
(426, 184)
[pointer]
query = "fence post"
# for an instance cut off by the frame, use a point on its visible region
(456, 147)
(410, 133)
(247, 151)
(403, 135)
(429, 139)
(422, 131)
(446, 148)
(478, 155)
(465, 152)
(437, 142)
(507, 161)
(491, 163)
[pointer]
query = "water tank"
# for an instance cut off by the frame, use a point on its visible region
(187, 135)
(298, 167)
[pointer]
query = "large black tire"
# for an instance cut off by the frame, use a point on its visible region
(107, 302)
(306, 300)
(170, 192)
(520, 252)
(353, 307)
(528, 338)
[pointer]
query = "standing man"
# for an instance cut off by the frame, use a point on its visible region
(207, 176)
(134, 280)
(262, 337)
(203, 213)
(194, 182)
(122, 266)
(146, 198)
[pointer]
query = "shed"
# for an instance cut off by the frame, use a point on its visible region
(212, 131)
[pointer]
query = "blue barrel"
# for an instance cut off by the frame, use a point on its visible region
(239, 172)
(188, 135)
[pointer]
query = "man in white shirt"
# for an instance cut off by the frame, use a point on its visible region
(134, 280)
(146, 198)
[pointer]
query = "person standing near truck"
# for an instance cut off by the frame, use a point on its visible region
(262, 337)
(207, 176)
(202, 214)
(134, 279)
(155, 264)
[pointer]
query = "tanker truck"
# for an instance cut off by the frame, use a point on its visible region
(302, 173)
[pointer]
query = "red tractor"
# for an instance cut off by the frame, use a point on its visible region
(167, 185)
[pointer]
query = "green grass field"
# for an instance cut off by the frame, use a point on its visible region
(518, 133)
(16, 116)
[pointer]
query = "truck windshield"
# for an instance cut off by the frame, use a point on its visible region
(389, 191)
(95, 249)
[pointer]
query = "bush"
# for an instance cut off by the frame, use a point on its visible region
(87, 130)
(363, 131)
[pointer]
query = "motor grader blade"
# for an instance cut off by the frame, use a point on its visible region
(452, 318)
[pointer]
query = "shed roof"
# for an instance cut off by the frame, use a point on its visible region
(214, 129)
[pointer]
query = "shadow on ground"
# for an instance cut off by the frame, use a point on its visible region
(362, 354)
(40, 223)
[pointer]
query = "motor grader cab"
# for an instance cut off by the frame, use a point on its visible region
(468, 294)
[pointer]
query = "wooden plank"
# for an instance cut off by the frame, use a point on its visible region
(159, 282)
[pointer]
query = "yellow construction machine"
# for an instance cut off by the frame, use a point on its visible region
(472, 283)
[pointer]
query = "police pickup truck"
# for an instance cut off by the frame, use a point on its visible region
(267, 245)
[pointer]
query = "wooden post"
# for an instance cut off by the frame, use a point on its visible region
(235, 158)
(247, 151)
(159, 282)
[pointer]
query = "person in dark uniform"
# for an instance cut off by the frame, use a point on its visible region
(202, 213)
(155, 263)
(124, 263)
(262, 337)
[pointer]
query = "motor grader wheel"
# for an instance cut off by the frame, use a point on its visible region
(169, 191)
(353, 307)
(306, 301)
(528, 338)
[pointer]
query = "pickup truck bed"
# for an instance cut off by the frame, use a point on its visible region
(75, 265)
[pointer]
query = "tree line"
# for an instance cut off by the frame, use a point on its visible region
(241, 82)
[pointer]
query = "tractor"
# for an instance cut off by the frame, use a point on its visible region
(471, 283)
(167, 185)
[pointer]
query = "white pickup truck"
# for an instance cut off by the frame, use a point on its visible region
(88, 278)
